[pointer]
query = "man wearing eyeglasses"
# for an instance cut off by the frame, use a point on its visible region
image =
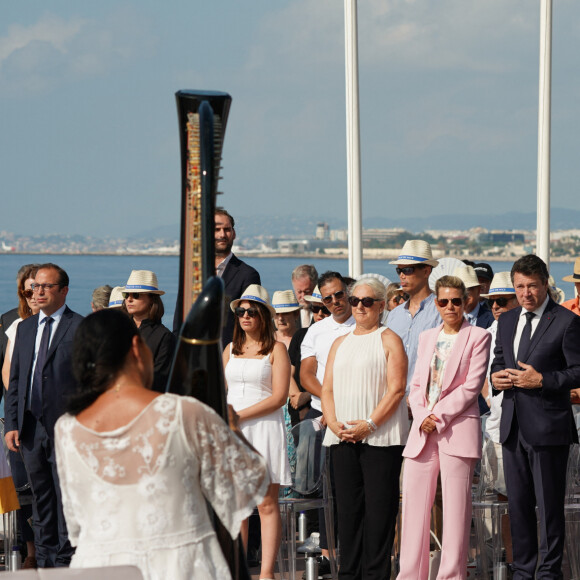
(414, 266)
(40, 380)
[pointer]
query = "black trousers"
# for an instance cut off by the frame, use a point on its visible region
(50, 535)
(535, 476)
(367, 498)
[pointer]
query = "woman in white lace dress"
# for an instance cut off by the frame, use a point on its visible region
(136, 467)
(258, 376)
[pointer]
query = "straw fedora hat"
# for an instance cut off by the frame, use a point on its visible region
(316, 296)
(501, 284)
(415, 252)
(575, 277)
(285, 301)
(254, 293)
(143, 281)
(467, 275)
(116, 299)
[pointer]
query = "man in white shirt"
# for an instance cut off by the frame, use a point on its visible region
(319, 338)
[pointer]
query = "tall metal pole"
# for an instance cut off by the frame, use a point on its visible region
(544, 115)
(355, 263)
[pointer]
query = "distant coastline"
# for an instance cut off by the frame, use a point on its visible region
(387, 255)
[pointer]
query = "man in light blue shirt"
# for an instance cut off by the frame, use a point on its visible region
(419, 313)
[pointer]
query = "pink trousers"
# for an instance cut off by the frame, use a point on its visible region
(419, 487)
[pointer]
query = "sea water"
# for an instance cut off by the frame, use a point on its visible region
(88, 272)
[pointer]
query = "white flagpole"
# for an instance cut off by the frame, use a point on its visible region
(544, 113)
(355, 264)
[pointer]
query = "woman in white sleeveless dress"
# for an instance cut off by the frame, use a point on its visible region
(363, 401)
(257, 372)
(136, 467)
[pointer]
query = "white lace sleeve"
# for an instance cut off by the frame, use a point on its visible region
(62, 439)
(233, 477)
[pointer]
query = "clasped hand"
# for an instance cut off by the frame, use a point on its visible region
(352, 431)
(429, 425)
(529, 378)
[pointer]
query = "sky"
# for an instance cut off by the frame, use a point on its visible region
(448, 95)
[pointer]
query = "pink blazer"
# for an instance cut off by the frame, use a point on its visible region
(459, 424)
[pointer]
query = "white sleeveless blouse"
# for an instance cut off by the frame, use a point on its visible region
(359, 384)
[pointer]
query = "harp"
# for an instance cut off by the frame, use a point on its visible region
(197, 369)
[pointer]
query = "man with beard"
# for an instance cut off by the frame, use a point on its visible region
(237, 275)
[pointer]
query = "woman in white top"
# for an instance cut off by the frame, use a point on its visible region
(136, 467)
(257, 370)
(364, 407)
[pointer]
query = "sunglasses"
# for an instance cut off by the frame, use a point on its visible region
(444, 301)
(398, 298)
(28, 293)
(338, 295)
(316, 308)
(501, 302)
(407, 270)
(240, 312)
(367, 302)
(134, 295)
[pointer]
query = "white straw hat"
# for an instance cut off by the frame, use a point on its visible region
(559, 295)
(575, 277)
(468, 276)
(415, 252)
(116, 299)
(143, 281)
(285, 301)
(501, 284)
(316, 296)
(254, 293)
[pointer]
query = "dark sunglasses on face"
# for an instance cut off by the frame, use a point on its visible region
(444, 301)
(501, 302)
(407, 270)
(316, 308)
(338, 295)
(398, 298)
(367, 301)
(37, 287)
(135, 295)
(28, 293)
(240, 312)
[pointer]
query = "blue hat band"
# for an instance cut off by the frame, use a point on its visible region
(502, 291)
(292, 305)
(115, 303)
(254, 298)
(414, 258)
(319, 296)
(141, 287)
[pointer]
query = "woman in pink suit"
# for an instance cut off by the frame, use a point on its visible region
(445, 435)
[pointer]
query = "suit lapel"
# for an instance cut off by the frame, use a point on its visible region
(545, 321)
(456, 355)
(61, 330)
(426, 361)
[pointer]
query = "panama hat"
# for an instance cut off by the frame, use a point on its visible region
(116, 299)
(415, 252)
(467, 275)
(285, 301)
(143, 281)
(501, 284)
(254, 293)
(575, 277)
(316, 296)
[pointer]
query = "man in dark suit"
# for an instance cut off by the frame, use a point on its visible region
(40, 379)
(537, 362)
(237, 275)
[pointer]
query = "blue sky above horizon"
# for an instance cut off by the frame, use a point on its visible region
(448, 95)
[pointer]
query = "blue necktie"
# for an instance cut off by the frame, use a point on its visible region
(36, 392)
(526, 338)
